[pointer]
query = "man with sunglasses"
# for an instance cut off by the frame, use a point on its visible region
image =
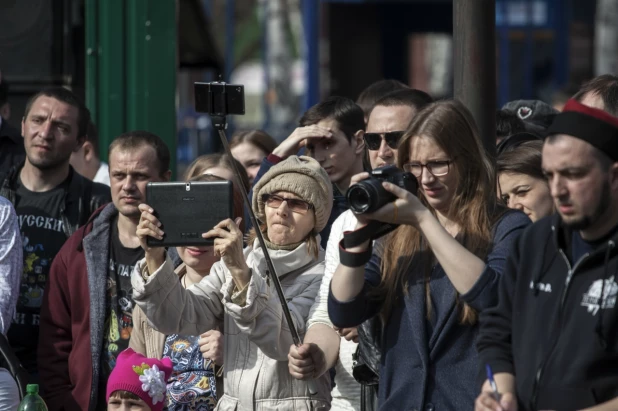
(387, 122)
(332, 133)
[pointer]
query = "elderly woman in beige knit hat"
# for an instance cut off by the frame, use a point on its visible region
(293, 201)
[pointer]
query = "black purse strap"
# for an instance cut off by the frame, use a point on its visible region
(369, 232)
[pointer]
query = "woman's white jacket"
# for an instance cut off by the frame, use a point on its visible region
(257, 338)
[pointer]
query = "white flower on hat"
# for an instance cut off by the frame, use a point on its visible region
(153, 382)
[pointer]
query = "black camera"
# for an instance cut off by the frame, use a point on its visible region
(369, 195)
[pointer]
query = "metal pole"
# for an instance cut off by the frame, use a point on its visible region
(311, 23)
(474, 46)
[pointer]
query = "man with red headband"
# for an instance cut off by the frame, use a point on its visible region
(552, 340)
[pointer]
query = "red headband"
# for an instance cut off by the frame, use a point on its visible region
(592, 125)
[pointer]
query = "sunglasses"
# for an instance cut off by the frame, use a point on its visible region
(294, 204)
(374, 140)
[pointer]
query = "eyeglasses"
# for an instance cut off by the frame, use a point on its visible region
(374, 140)
(436, 168)
(294, 204)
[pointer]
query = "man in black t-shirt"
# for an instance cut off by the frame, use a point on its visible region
(86, 318)
(51, 202)
(42, 236)
(119, 298)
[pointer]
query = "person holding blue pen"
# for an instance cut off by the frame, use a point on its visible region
(551, 343)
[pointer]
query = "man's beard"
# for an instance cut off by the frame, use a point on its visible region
(587, 221)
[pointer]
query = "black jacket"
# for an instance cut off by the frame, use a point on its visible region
(82, 198)
(550, 328)
(12, 151)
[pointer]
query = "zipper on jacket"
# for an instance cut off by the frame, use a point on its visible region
(571, 272)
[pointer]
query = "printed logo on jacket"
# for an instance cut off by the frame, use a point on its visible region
(594, 301)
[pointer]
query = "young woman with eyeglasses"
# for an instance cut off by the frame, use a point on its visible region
(430, 277)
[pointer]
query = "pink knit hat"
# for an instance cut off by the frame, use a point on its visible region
(144, 377)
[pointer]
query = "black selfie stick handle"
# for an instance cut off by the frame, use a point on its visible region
(220, 124)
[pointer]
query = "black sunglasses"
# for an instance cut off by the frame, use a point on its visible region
(374, 140)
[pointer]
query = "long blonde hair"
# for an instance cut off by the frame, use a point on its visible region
(474, 205)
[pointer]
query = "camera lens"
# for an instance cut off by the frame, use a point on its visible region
(359, 198)
(367, 196)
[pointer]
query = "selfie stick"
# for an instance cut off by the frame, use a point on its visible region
(220, 124)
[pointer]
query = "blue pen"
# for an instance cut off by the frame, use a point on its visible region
(490, 376)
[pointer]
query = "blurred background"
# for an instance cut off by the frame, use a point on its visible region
(135, 61)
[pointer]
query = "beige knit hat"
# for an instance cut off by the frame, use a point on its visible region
(302, 176)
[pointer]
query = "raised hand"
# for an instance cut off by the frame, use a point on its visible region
(150, 226)
(406, 209)
(298, 139)
(228, 245)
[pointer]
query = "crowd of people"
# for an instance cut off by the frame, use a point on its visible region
(490, 286)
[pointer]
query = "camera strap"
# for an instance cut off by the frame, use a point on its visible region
(351, 239)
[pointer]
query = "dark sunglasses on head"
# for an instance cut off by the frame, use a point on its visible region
(374, 140)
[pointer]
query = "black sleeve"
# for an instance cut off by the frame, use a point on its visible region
(351, 313)
(494, 341)
(484, 293)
